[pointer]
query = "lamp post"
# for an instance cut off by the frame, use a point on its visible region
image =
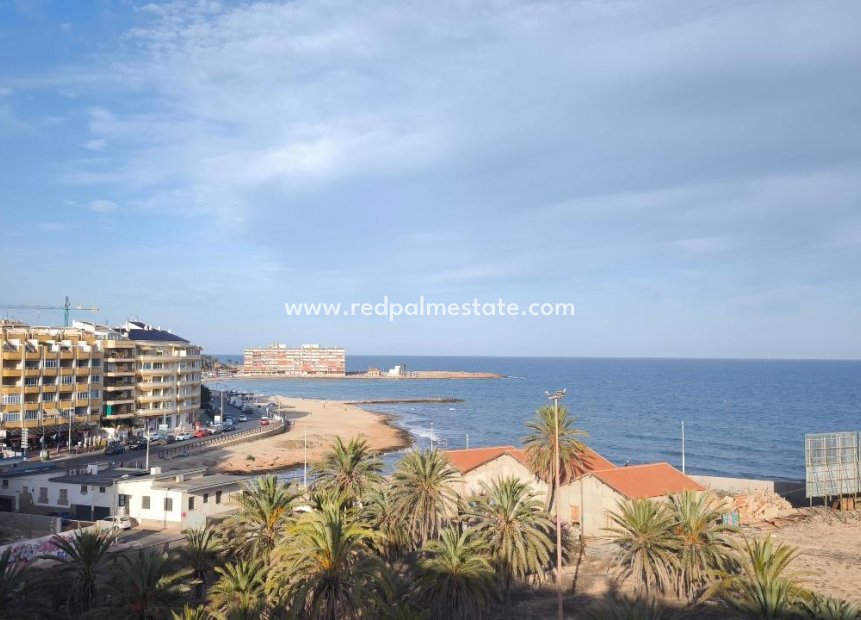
(556, 397)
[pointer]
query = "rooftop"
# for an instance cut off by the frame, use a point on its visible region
(647, 481)
(105, 478)
(467, 460)
(138, 330)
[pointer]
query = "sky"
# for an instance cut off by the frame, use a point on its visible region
(686, 173)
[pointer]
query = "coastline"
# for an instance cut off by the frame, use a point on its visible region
(322, 421)
(414, 375)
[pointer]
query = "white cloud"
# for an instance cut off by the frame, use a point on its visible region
(102, 206)
(96, 145)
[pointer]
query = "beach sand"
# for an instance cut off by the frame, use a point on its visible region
(323, 420)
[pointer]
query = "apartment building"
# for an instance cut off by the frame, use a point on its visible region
(51, 378)
(308, 360)
(57, 381)
(167, 375)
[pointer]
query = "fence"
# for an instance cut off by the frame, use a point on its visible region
(224, 439)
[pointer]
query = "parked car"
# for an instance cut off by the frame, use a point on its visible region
(120, 522)
(115, 448)
(229, 428)
(65, 517)
(264, 421)
(158, 441)
(183, 436)
(243, 418)
(201, 432)
(216, 428)
(136, 443)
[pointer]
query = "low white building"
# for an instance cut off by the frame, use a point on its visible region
(177, 499)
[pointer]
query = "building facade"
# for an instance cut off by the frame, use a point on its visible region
(51, 379)
(57, 382)
(309, 360)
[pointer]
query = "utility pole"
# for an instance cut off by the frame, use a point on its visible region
(683, 446)
(556, 397)
(305, 465)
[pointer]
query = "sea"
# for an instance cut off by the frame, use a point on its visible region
(742, 418)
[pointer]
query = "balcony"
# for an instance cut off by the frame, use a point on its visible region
(124, 385)
(119, 401)
(12, 355)
(33, 372)
(156, 399)
(156, 413)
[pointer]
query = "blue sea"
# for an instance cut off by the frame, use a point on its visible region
(743, 418)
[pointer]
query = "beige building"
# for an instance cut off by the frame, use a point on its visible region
(309, 360)
(50, 377)
(167, 375)
(585, 500)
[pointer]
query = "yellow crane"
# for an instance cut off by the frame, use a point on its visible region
(66, 308)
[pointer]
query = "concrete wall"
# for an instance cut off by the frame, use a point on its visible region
(503, 467)
(591, 500)
(793, 490)
(155, 515)
(26, 492)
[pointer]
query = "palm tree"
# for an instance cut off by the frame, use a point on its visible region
(765, 588)
(14, 587)
(703, 545)
(423, 490)
(240, 591)
(324, 570)
(349, 468)
(201, 550)
(146, 584)
(514, 528)
(539, 445)
(819, 607)
(455, 581)
(265, 512)
(82, 559)
(191, 613)
(382, 516)
(647, 544)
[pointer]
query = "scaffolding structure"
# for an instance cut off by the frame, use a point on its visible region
(833, 464)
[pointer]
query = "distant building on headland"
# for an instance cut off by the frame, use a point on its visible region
(309, 360)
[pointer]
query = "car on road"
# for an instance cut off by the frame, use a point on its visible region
(227, 429)
(136, 443)
(183, 436)
(64, 517)
(119, 522)
(243, 418)
(201, 432)
(115, 448)
(264, 421)
(158, 441)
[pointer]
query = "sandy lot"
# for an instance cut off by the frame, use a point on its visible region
(322, 420)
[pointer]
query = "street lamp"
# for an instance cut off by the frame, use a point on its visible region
(556, 397)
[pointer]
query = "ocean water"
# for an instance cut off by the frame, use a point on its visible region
(742, 418)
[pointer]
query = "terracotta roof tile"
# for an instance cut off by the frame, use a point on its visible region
(469, 459)
(645, 481)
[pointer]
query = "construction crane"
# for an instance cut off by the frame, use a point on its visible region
(66, 308)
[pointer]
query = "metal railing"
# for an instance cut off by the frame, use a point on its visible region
(223, 439)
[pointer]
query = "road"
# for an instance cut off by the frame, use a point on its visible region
(133, 456)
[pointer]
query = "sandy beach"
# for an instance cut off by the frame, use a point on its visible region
(322, 420)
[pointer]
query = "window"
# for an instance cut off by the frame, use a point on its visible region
(95, 379)
(68, 412)
(48, 397)
(11, 399)
(101, 489)
(43, 495)
(83, 489)
(168, 504)
(82, 395)
(190, 502)
(145, 502)
(95, 394)
(31, 381)
(218, 497)
(5, 484)
(206, 498)
(49, 364)
(64, 497)
(96, 363)
(32, 415)
(122, 500)
(66, 380)
(575, 515)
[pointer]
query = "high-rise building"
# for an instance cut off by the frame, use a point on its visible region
(50, 380)
(57, 380)
(167, 375)
(309, 360)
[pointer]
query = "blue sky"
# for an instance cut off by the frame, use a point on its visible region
(687, 173)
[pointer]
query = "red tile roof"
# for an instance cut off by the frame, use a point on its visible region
(467, 460)
(645, 481)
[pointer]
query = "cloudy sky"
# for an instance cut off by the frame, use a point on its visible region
(687, 173)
